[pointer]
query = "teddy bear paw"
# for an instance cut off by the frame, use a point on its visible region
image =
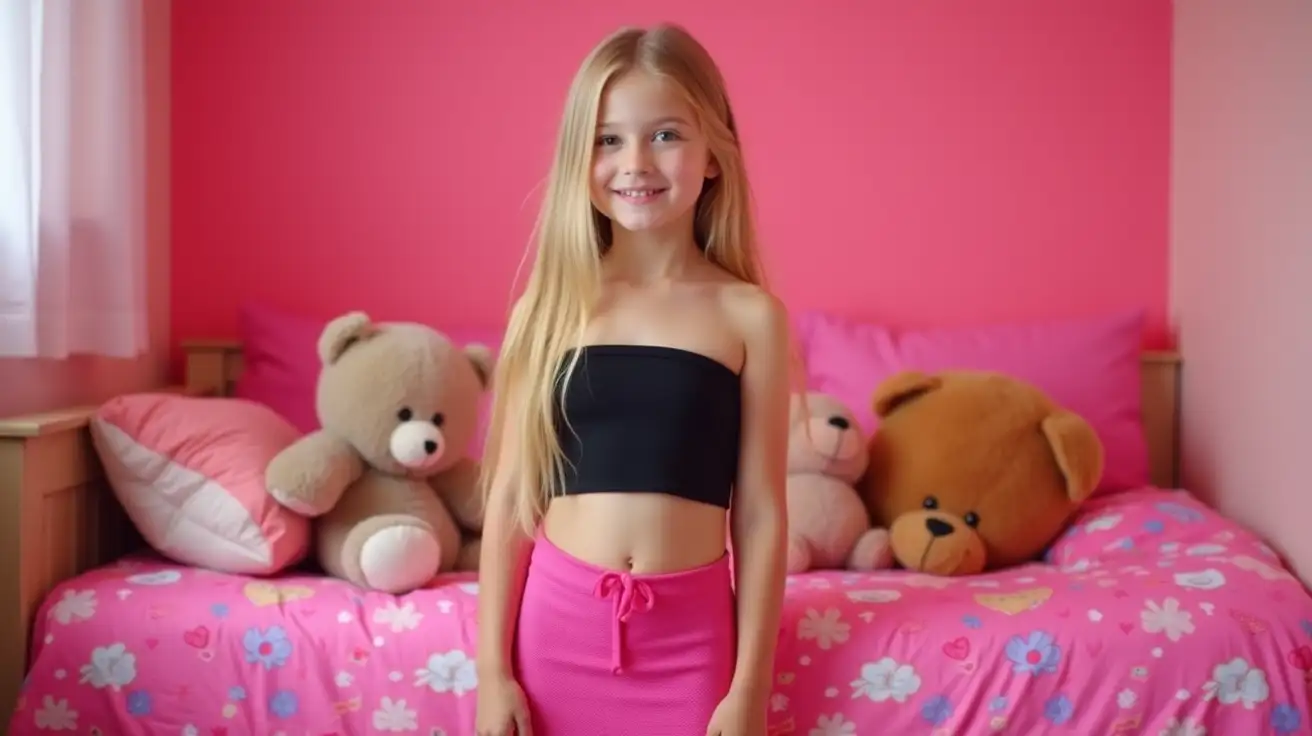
(799, 555)
(873, 551)
(399, 559)
(296, 504)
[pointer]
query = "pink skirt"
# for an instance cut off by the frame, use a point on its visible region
(601, 652)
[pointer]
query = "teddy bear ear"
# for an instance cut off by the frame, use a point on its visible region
(343, 332)
(483, 360)
(1078, 451)
(900, 388)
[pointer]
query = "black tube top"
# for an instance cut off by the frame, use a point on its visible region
(648, 418)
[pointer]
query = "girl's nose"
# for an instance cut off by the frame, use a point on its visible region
(638, 160)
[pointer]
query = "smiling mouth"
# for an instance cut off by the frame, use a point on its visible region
(638, 195)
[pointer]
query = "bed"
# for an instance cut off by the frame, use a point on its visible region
(1152, 615)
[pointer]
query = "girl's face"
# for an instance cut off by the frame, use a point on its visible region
(650, 160)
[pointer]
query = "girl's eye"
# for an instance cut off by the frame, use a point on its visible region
(607, 140)
(667, 135)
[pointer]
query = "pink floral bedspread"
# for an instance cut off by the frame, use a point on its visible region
(1155, 616)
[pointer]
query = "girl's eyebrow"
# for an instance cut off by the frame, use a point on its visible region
(658, 122)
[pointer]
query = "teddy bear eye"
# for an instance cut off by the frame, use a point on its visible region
(405, 414)
(972, 519)
(931, 503)
(438, 419)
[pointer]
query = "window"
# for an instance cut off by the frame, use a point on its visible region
(72, 203)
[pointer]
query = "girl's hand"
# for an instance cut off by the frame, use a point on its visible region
(502, 709)
(739, 714)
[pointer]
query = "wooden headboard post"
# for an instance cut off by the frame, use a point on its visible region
(213, 366)
(59, 518)
(1159, 395)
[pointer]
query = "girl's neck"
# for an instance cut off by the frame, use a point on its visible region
(651, 256)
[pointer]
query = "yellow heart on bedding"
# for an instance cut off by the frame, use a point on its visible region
(1014, 602)
(268, 594)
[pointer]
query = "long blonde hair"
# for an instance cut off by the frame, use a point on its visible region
(549, 318)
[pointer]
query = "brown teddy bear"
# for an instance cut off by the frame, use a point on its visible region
(975, 470)
(828, 527)
(387, 478)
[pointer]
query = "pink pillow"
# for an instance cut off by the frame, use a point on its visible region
(281, 364)
(189, 472)
(1091, 366)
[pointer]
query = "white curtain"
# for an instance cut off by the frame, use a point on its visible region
(72, 179)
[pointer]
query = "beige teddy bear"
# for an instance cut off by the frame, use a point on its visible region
(387, 478)
(829, 527)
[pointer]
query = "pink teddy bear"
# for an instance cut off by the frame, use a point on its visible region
(829, 526)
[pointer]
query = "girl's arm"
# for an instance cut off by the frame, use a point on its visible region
(502, 566)
(759, 525)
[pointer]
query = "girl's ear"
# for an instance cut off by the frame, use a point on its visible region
(712, 168)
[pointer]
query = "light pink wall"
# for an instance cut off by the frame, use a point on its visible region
(1242, 260)
(397, 147)
(39, 385)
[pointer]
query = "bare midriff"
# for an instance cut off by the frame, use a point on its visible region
(642, 533)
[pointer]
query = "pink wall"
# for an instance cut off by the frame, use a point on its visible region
(397, 147)
(1242, 260)
(41, 385)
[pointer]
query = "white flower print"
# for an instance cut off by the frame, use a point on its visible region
(190, 730)
(343, 679)
(1167, 619)
(874, 596)
(1238, 682)
(827, 630)
(834, 725)
(112, 666)
(450, 672)
(886, 679)
(395, 717)
(778, 702)
(162, 577)
(76, 605)
(1190, 727)
(1209, 579)
(1081, 565)
(405, 618)
(1126, 699)
(1103, 523)
(55, 715)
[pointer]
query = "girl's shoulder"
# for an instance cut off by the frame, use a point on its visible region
(756, 313)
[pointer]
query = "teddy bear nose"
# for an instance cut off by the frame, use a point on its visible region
(839, 422)
(938, 527)
(430, 446)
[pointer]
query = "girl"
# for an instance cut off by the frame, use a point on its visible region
(641, 394)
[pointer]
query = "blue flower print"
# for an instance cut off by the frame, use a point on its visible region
(1286, 719)
(1038, 654)
(1058, 709)
(283, 704)
(139, 703)
(1307, 627)
(972, 622)
(937, 710)
(998, 704)
(237, 693)
(1154, 526)
(270, 648)
(220, 610)
(1180, 512)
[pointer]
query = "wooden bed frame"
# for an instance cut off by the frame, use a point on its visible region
(60, 519)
